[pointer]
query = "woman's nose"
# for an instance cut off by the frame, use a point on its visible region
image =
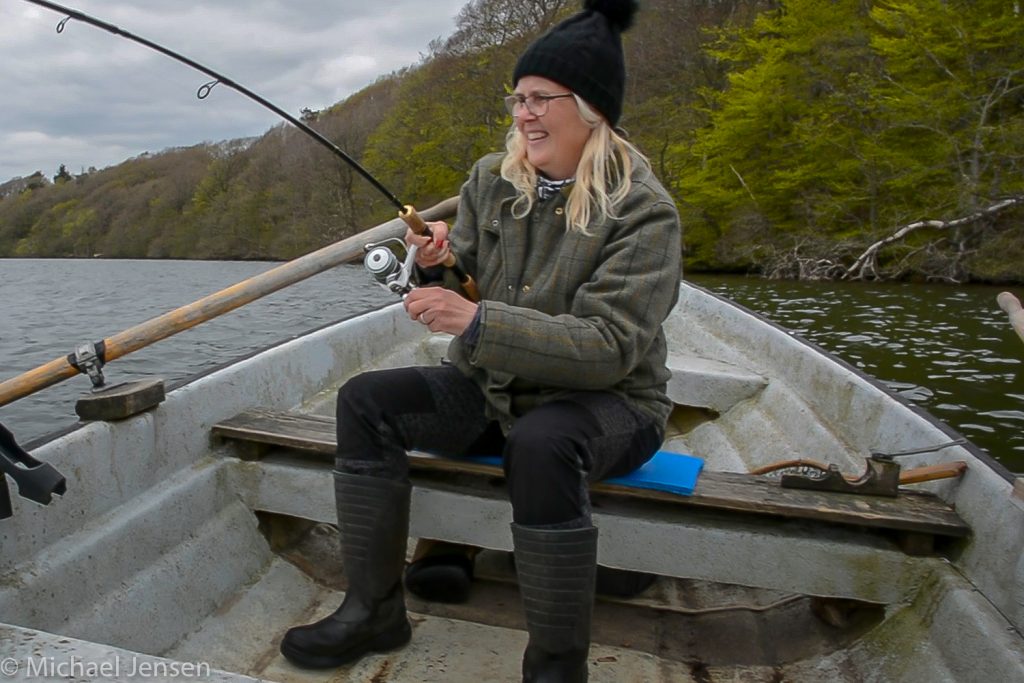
(523, 113)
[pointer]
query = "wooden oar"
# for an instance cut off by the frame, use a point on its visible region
(1011, 304)
(221, 302)
(943, 470)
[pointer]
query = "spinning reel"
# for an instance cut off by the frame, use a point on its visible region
(392, 264)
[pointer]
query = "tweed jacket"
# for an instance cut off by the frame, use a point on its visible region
(561, 311)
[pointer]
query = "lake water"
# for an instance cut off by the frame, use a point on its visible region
(949, 349)
(48, 306)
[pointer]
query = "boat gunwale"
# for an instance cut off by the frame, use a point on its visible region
(45, 439)
(973, 449)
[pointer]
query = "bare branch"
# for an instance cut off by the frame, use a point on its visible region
(867, 263)
(483, 24)
(807, 260)
(743, 183)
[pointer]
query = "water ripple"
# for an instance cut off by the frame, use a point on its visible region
(60, 303)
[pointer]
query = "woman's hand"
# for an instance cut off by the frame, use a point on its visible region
(442, 310)
(434, 248)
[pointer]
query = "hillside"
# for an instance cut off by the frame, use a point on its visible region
(794, 136)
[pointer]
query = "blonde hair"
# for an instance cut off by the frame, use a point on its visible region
(602, 175)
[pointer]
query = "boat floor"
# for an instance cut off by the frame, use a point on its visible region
(677, 630)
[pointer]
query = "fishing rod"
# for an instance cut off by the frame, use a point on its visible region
(39, 481)
(405, 211)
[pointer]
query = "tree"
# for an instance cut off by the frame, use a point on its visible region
(797, 136)
(36, 181)
(448, 111)
(781, 151)
(62, 175)
(840, 122)
(953, 90)
(484, 25)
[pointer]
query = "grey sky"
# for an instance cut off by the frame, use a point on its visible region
(86, 97)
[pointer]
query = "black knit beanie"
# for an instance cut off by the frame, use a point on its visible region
(584, 53)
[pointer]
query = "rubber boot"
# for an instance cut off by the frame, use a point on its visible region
(373, 518)
(557, 570)
(441, 571)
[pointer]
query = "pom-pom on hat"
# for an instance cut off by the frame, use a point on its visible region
(584, 53)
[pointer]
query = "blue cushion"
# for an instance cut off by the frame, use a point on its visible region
(666, 471)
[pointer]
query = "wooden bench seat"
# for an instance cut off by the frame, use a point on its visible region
(916, 516)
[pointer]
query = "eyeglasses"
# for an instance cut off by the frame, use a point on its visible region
(535, 104)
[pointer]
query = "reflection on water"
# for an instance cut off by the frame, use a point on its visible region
(949, 349)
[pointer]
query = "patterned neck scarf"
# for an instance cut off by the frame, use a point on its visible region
(546, 189)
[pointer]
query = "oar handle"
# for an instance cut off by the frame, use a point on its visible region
(1011, 305)
(943, 470)
(416, 223)
(917, 475)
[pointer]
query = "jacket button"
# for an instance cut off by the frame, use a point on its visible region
(511, 288)
(526, 288)
(559, 211)
(494, 222)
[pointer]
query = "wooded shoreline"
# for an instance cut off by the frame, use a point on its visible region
(801, 140)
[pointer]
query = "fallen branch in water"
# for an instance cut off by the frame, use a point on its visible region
(867, 263)
(804, 262)
(1011, 304)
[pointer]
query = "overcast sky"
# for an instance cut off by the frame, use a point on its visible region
(86, 97)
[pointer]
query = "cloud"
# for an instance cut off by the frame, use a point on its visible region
(86, 97)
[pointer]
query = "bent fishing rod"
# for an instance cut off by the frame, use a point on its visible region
(405, 211)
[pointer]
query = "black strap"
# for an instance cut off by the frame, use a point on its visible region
(36, 480)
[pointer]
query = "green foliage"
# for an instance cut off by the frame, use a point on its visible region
(66, 228)
(954, 84)
(447, 114)
(780, 153)
(840, 121)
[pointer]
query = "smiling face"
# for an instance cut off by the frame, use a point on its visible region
(554, 142)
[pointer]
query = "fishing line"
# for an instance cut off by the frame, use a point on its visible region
(405, 211)
(219, 78)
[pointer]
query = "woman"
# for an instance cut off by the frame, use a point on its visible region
(575, 248)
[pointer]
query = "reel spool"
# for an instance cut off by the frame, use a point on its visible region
(388, 268)
(381, 263)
